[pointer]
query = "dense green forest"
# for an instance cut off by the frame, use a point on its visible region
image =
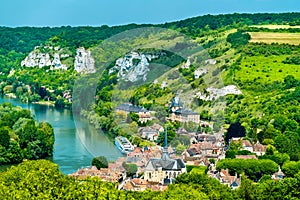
(21, 137)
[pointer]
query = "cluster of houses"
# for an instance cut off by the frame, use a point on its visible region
(114, 173)
(144, 114)
(177, 112)
(256, 148)
(158, 167)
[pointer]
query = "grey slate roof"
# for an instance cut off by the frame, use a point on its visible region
(128, 107)
(185, 112)
(169, 164)
(131, 159)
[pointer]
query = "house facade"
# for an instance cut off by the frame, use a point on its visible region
(143, 113)
(164, 170)
(180, 114)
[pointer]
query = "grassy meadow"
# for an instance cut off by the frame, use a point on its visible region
(266, 69)
(269, 38)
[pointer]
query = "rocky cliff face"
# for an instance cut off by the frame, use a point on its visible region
(84, 63)
(37, 58)
(133, 67)
(215, 93)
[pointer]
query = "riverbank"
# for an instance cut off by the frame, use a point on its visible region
(11, 95)
(46, 103)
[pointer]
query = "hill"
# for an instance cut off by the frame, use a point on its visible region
(265, 73)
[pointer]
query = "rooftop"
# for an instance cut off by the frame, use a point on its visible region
(128, 107)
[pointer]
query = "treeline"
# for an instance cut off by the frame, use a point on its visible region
(194, 26)
(268, 50)
(21, 137)
(278, 30)
(43, 180)
(24, 39)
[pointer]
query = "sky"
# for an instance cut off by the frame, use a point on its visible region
(52, 13)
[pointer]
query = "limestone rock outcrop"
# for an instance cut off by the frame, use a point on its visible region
(37, 58)
(84, 63)
(133, 67)
(215, 93)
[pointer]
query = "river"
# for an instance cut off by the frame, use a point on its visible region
(76, 142)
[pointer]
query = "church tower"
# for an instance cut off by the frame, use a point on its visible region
(165, 154)
(176, 103)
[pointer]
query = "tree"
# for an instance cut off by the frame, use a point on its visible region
(160, 113)
(100, 162)
(235, 130)
(291, 168)
(134, 117)
(238, 39)
(236, 145)
(230, 154)
(4, 137)
(253, 169)
(270, 150)
(290, 81)
(265, 178)
(130, 168)
(180, 149)
(21, 137)
(279, 122)
(46, 136)
(212, 161)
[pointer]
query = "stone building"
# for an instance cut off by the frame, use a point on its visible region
(164, 170)
(143, 113)
(180, 114)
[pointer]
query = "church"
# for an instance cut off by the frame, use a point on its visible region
(164, 170)
(178, 113)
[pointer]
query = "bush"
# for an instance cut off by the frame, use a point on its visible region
(238, 39)
(131, 169)
(100, 162)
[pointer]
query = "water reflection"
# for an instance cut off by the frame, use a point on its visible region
(75, 145)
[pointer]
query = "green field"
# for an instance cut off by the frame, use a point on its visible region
(269, 38)
(266, 69)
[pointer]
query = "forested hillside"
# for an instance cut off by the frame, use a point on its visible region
(16, 43)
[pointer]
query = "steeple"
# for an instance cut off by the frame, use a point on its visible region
(165, 154)
(166, 140)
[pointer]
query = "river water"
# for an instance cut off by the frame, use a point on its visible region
(76, 142)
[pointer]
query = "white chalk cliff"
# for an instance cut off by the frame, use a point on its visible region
(38, 59)
(84, 63)
(130, 71)
(215, 93)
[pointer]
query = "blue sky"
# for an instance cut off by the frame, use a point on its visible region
(115, 12)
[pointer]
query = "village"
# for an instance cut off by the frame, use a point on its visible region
(157, 166)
